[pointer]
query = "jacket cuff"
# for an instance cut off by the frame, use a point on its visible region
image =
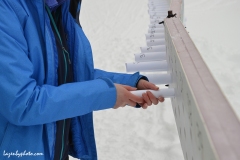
(139, 78)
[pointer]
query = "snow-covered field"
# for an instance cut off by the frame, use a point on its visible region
(214, 27)
(116, 31)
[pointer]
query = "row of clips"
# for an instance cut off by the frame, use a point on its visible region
(152, 60)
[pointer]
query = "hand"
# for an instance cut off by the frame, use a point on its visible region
(148, 97)
(125, 97)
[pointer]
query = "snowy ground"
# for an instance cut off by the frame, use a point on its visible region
(116, 31)
(214, 27)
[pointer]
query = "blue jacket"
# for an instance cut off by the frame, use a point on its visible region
(30, 101)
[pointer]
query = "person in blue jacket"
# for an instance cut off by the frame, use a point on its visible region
(48, 85)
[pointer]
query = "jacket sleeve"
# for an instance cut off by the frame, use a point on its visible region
(121, 78)
(23, 101)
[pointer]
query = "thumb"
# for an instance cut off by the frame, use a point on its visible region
(152, 86)
(129, 88)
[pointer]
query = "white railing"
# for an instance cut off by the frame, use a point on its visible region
(207, 126)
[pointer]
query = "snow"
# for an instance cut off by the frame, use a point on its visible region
(214, 27)
(116, 30)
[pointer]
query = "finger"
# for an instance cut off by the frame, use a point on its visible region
(146, 99)
(134, 98)
(131, 103)
(151, 86)
(161, 99)
(152, 98)
(145, 106)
